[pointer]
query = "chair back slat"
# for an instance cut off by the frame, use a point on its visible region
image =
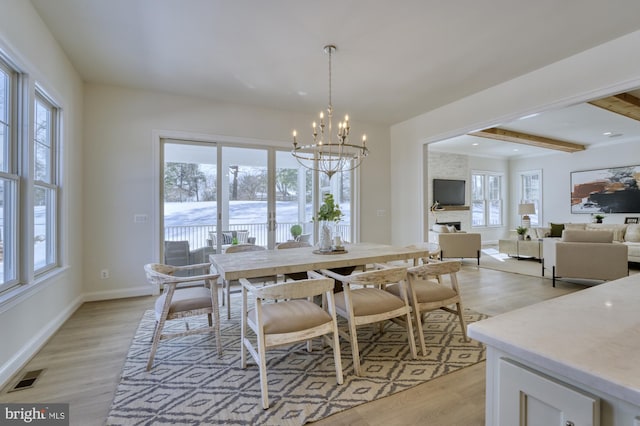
(243, 247)
(434, 268)
(291, 289)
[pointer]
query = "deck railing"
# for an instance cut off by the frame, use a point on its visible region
(198, 235)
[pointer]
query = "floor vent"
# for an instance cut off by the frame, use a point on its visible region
(27, 381)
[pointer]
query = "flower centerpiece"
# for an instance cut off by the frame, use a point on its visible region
(598, 218)
(328, 215)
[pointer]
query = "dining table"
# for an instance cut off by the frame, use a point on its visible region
(253, 264)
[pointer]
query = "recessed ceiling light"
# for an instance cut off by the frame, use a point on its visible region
(515, 149)
(607, 133)
(475, 144)
(301, 93)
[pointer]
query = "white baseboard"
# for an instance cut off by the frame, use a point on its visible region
(118, 294)
(34, 344)
(21, 358)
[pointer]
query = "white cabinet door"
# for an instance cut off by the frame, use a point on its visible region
(528, 398)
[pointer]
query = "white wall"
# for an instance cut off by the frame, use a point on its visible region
(609, 68)
(556, 178)
(28, 319)
(119, 168)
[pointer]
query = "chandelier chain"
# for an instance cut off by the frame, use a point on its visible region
(330, 51)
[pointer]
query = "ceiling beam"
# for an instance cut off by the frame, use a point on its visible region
(624, 104)
(527, 139)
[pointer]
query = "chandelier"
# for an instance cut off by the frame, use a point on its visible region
(326, 154)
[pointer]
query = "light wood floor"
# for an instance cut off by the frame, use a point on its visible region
(83, 360)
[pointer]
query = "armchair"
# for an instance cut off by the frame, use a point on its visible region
(589, 255)
(459, 245)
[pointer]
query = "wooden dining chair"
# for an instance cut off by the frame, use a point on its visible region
(295, 318)
(198, 297)
(226, 285)
(291, 245)
(433, 285)
(364, 300)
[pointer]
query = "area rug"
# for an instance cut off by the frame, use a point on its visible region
(190, 384)
(492, 259)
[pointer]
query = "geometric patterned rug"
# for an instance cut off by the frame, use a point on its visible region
(190, 384)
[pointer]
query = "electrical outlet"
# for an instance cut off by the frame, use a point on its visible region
(104, 274)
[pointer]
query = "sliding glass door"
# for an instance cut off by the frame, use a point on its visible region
(189, 207)
(244, 197)
(215, 194)
(294, 199)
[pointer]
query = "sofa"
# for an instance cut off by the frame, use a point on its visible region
(627, 234)
(585, 254)
(241, 236)
(456, 244)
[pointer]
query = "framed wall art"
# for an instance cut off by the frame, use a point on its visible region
(613, 190)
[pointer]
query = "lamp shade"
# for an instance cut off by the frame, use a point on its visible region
(526, 208)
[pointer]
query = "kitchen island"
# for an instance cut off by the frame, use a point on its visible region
(573, 360)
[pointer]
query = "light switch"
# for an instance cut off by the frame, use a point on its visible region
(140, 218)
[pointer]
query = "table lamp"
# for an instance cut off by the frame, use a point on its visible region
(525, 210)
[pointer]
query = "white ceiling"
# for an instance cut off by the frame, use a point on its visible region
(584, 124)
(395, 59)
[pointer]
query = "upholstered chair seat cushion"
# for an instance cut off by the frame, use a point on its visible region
(291, 316)
(186, 299)
(370, 302)
(426, 291)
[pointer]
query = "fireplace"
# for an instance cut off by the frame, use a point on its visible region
(456, 224)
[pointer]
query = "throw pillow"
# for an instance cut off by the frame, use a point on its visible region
(633, 234)
(242, 236)
(556, 229)
(227, 237)
(452, 228)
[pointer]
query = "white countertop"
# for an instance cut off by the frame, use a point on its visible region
(591, 336)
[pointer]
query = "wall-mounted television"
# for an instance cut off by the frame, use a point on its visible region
(448, 192)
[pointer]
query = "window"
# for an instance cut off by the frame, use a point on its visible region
(45, 190)
(486, 199)
(531, 192)
(8, 178)
(29, 187)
